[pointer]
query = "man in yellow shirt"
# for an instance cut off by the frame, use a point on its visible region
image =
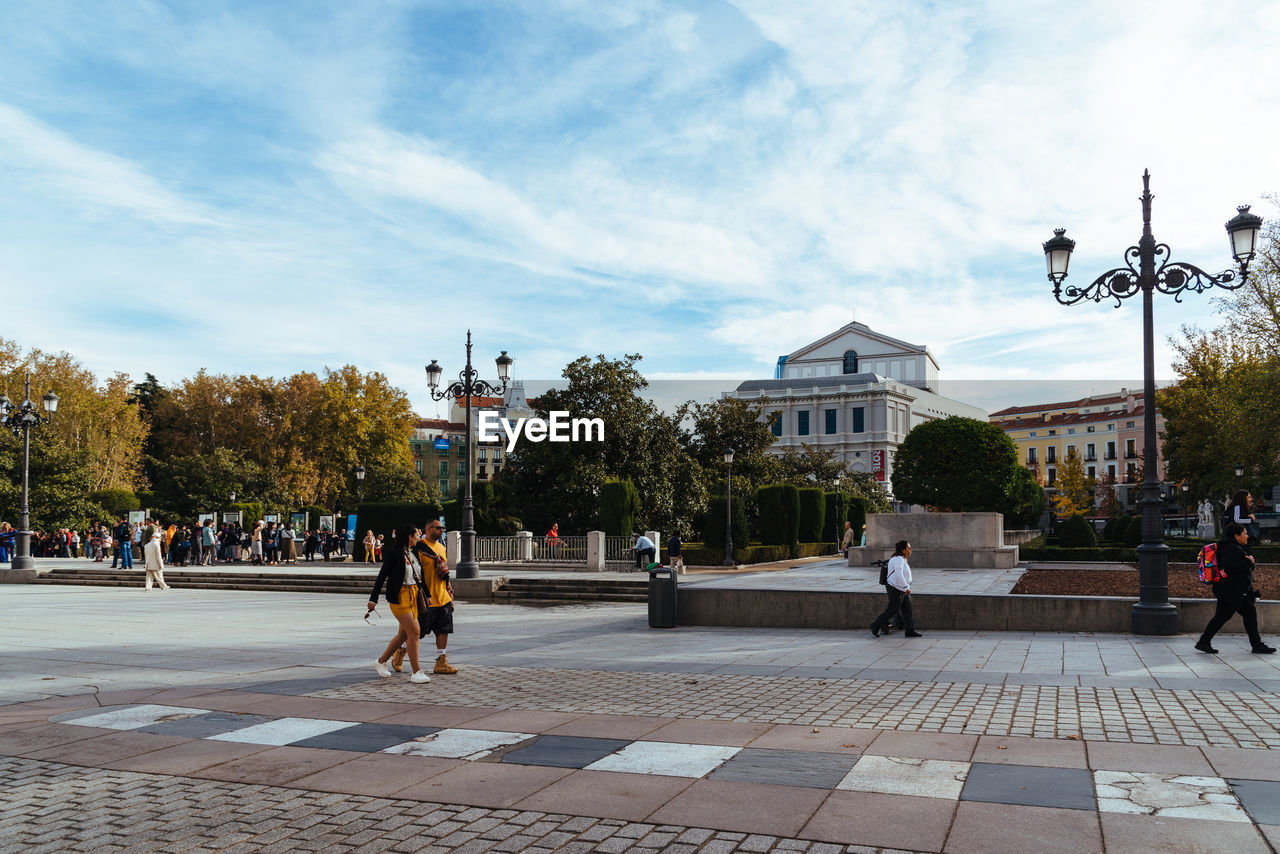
(435, 570)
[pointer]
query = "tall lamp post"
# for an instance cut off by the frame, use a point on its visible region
(467, 386)
(728, 509)
(1153, 614)
(21, 418)
(360, 482)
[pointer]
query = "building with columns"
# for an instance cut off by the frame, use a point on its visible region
(856, 392)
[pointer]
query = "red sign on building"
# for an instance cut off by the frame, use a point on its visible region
(877, 465)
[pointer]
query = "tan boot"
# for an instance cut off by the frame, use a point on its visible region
(397, 659)
(443, 665)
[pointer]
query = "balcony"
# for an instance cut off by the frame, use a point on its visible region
(1090, 458)
(1111, 455)
(1130, 455)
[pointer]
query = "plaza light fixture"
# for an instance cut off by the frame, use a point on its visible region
(21, 419)
(1239, 470)
(360, 481)
(728, 508)
(1153, 614)
(467, 386)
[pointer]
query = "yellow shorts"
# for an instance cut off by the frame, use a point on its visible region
(408, 603)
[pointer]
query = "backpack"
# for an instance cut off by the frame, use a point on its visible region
(1207, 565)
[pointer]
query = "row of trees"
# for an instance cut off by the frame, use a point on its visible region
(1224, 408)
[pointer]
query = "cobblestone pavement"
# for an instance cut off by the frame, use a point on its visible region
(1220, 719)
(49, 807)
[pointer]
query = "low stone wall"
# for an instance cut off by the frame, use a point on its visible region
(813, 609)
(941, 540)
(1017, 538)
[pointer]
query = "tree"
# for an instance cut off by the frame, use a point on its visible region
(1075, 496)
(808, 466)
(957, 464)
(1077, 532)
(1105, 493)
(1026, 502)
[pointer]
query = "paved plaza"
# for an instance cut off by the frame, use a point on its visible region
(198, 720)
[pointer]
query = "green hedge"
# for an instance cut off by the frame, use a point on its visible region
(857, 515)
(837, 508)
(1133, 533)
(383, 517)
(779, 507)
(713, 524)
(1077, 532)
(251, 513)
(619, 503)
(812, 514)
(708, 556)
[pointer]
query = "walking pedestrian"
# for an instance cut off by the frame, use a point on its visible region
(435, 568)
(675, 549)
(401, 573)
(1235, 593)
(846, 542)
(1240, 511)
(153, 562)
(898, 578)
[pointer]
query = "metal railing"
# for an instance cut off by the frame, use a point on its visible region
(497, 549)
(559, 549)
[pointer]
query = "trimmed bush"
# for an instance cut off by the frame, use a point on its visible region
(812, 514)
(117, 502)
(713, 525)
(1133, 533)
(1109, 529)
(1077, 532)
(837, 509)
(619, 503)
(779, 506)
(251, 512)
(452, 511)
(1122, 525)
(383, 517)
(857, 515)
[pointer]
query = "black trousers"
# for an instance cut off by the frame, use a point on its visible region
(640, 555)
(1230, 603)
(899, 602)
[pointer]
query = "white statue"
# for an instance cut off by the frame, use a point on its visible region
(1206, 512)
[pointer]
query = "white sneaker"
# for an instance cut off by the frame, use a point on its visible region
(419, 677)
(382, 669)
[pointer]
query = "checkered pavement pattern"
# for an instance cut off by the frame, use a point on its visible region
(1119, 714)
(1180, 795)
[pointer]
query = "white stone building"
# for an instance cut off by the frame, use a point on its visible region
(857, 392)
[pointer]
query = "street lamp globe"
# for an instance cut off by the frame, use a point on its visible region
(360, 473)
(728, 455)
(1057, 254)
(1239, 469)
(433, 374)
(1243, 230)
(233, 497)
(504, 366)
(50, 403)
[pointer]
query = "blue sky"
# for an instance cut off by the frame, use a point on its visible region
(271, 187)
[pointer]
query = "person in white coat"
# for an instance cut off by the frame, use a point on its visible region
(898, 583)
(153, 562)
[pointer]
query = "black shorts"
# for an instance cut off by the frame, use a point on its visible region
(439, 621)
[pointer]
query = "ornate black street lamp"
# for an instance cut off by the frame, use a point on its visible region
(467, 386)
(1152, 614)
(360, 481)
(21, 418)
(728, 509)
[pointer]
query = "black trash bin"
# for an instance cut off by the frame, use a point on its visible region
(662, 597)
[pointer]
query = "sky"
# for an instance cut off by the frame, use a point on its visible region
(271, 187)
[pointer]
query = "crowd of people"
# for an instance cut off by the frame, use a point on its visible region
(197, 544)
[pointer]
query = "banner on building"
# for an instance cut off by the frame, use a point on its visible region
(877, 465)
(351, 527)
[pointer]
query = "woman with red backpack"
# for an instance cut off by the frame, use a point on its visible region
(1235, 592)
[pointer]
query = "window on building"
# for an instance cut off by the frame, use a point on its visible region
(1092, 472)
(1089, 429)
(1033, 434)
(850, 362)
(1090, 453)
(444, 487)
(1131, 472)
(831, 421)
(1051, 454)
(1071, 431)
(481, 473)
(444, 468)
(1111, 452)
(1053, 432)
(1130, 449)
(462, 468)
(775, 423)
(1128, 425)
(417, 464)
(1053, 476)
(480, 454)
(859, 419)
(1111, 471)
(1031, 456)
(802, 423)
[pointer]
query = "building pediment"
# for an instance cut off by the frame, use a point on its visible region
(860, 338)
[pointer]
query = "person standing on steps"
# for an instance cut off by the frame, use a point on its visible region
(898, 579)
(1235, 593)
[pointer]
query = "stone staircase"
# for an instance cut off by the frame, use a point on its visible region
(278, 582)
(573, 590)
(515, 589)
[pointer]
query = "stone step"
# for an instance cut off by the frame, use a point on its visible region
(566, 596)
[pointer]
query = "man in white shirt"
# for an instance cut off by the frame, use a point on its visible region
(643, 548)
(898, 581)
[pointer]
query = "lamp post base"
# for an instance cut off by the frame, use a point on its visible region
(17, 576)
(467, 569)
(1152, 619)
(23, 562)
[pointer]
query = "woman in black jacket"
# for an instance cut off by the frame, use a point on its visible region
(1235, 593)
(402, 574)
